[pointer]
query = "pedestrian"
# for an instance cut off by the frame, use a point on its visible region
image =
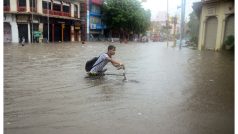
(23, 41)
(98, 67)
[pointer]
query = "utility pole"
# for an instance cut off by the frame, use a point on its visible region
(175, 22)
(48, 22)
(167, 23)
(182, 22)
(32, 20)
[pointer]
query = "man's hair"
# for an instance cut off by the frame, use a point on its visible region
(110, 47)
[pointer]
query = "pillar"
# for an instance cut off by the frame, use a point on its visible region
(62, 32)
(15, 35)
(39, 6)
(220, 35)
(53, 32)
(27, 5)
(72, 33)
(29, 33)
(13, 5)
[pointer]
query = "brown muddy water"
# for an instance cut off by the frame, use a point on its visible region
(168, 91)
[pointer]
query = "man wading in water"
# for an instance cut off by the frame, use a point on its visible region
(103, 60)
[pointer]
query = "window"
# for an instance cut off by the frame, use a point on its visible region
(57, 7)
(76, 10)
(95, 9)
(33, 3)
(95, 20)
(21, 3)
(66, 9)
(6, 2)
(44, 5)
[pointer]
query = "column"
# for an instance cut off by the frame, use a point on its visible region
(62, 32)
(28, 5)
(14, 30)
(13, 5)
(201, 30)
(220, 35)
(41, 30)
(29, 33)
(39, 6)
(53, 32)
(72, 33)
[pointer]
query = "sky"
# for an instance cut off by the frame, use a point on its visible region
(160, 6)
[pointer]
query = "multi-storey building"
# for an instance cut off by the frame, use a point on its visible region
(57, 20)
(96, 27)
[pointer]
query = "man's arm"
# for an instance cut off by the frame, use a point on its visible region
(114, 63)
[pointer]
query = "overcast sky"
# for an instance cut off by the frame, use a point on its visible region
(157, 6)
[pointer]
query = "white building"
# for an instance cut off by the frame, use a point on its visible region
(57, 20)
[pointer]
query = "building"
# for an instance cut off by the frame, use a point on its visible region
(57, 20)
(163, 29)
(95, 25)
(216, 22)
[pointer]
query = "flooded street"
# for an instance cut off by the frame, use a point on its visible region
(168, 91)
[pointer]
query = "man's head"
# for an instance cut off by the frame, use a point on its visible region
(111, 50)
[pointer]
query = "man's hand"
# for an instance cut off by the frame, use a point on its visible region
(121, 66)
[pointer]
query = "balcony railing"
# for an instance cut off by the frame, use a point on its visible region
(57, 13)
(65, 14)
(6, 8)
(98, 2)
(33, 9)
(21, 9)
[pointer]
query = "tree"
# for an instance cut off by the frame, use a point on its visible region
(193, 25)
(125, 16)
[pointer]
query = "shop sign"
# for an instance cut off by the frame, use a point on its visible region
(77, 25)
(22, 18)
(93, 26)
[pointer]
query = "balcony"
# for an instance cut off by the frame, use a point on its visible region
(65, 14)
(95, 14)
(6, 8)
(21, 9)
(97, 2)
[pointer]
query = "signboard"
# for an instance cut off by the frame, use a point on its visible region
(93, 26)
(37, 34)
(77, 25)
(22, 18)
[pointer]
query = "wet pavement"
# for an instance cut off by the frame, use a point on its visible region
(168, 91)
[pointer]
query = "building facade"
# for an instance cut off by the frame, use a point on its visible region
(95, 25)
(216, 22)
(56, 20)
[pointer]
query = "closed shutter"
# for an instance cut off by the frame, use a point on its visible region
(211, 33)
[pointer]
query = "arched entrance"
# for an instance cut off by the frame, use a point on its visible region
(229, 28)
(7, 32)
(211, 33)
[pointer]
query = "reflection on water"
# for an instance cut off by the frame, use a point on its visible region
(166, 90)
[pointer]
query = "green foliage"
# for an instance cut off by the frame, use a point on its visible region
(193, 25)
(126, 15)
(229, 42)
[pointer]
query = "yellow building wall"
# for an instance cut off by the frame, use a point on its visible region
(220, 10)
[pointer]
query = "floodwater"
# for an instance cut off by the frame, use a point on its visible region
(167, 91)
